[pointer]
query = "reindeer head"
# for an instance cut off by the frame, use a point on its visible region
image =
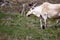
(29, 12)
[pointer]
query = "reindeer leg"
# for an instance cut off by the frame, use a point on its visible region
(41, 24)
(57, 23)
(45, 23)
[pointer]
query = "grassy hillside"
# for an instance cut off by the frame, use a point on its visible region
(15, 26)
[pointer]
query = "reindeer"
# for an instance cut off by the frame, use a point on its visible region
(46, 11)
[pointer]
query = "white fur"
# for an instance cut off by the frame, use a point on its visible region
(46, 10)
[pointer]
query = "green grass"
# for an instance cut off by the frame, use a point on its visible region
(21, 27)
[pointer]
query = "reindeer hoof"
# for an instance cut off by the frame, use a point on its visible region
(43, 27)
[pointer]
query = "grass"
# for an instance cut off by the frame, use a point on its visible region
(26, 28)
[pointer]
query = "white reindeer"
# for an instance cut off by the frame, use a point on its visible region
(46, 11)
(37, 12)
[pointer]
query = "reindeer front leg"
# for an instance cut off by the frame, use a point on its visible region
(41, 23)
(45, 20)
(45, 23)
